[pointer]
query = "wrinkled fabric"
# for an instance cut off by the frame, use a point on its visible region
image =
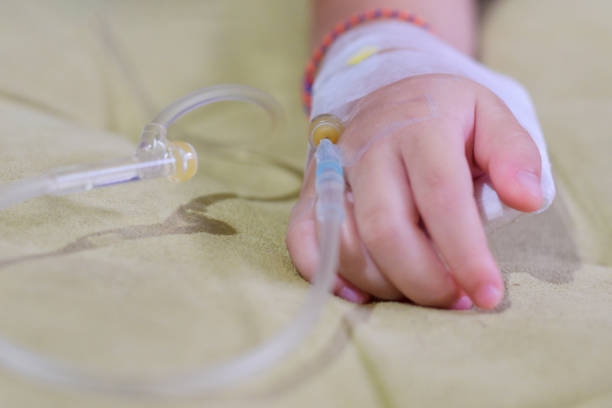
(156, 277)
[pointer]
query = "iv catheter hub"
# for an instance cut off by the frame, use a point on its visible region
(175, 160)
(325, 126)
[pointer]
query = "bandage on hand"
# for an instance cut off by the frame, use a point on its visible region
(433, 143)
(368, 58)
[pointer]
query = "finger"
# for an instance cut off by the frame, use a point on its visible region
(358, 272)
(303, 246)
(355, 264)
(504, 149)
(387, 222)
(442, 185)
(304, 250)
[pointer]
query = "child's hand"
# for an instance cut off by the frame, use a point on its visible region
(412, 228)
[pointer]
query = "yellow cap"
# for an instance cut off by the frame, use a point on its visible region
(186, 161)
(325, 127)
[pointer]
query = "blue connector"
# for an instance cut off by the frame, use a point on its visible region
(329, 182)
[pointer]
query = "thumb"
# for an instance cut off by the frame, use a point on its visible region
(506, 152)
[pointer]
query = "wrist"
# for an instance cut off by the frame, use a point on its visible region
(372, 56)
(340, 30)
(455, 21)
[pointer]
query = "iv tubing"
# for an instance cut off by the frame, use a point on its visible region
(218, 93)
(330, 213)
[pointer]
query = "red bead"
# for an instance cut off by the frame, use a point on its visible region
(339, 28)
(307, 99)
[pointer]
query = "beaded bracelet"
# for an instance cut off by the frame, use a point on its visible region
(342, 27)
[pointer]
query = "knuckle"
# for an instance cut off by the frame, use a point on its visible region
(518, 137)
(376, 227)
(519, 148)
(436, 179)
(441, 194)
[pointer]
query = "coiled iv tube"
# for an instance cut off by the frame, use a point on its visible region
(158, 157)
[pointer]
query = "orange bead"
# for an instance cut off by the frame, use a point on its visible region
(317, 55)
(310, 67)
(327, 40)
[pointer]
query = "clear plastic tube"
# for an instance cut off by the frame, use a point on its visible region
(155, 158)
(22, 190)
(218, 93)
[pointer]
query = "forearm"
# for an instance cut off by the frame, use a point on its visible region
(454, 21)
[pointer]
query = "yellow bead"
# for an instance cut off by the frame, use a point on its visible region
(186, 161)
(325, 127)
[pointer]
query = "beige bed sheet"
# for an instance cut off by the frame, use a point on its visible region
(157, 277)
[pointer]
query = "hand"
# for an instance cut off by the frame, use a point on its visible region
(412, 228)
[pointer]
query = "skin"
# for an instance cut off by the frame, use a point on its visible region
(454, 20)
(412, 229)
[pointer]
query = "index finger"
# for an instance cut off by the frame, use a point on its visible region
(443, 189)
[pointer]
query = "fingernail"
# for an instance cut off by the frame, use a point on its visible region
(349, 294)
(464, 303)
(488, 296)
(530, 181)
